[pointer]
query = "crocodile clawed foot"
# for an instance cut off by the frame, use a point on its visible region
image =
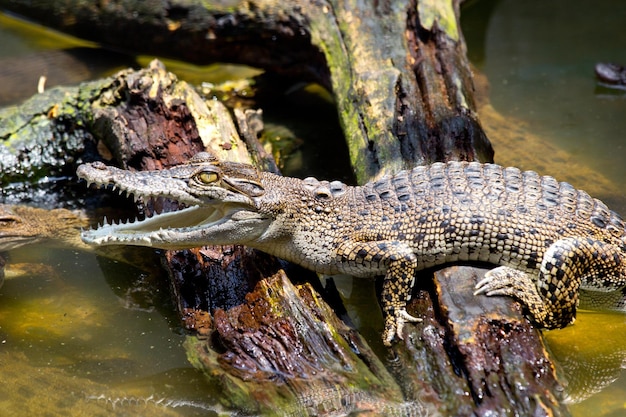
(394, 325)
(502, 281)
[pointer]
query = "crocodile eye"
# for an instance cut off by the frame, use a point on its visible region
(207, 177)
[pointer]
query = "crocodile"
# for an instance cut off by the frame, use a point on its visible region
(548, 240)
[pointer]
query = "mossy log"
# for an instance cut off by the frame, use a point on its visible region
(397, 70)
(403, 89)
(286, 353)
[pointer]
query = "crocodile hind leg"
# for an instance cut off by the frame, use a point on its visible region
(398, 262)
(568, 265)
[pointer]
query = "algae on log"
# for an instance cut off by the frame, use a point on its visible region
(404, 92)
(45, 135)
(53, 132)
(286, 344)
(49, 135)
(452, 351)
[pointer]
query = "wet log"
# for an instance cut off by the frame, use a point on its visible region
(41, 141)
(289, 354)
(473, 353)
(479, 355)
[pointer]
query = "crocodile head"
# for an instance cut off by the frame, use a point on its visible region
(219, 201)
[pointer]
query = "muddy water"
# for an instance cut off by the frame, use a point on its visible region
(78, 341)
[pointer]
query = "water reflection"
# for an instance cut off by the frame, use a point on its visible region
(64, 326)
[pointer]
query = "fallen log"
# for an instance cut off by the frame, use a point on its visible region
(402, 85)
(287, 353)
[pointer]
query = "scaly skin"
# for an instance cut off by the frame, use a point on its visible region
(550, 240)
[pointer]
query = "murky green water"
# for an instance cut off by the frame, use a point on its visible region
(539, 58)
(75, 339)
(98, 333)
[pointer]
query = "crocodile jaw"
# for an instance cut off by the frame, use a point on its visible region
(190, 227)
(214, 216)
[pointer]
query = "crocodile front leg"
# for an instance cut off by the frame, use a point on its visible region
(398, 263)
(568, 265)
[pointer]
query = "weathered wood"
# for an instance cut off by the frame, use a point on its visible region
(286, 344)
(35, 142)
(403, 91)
(478, 353)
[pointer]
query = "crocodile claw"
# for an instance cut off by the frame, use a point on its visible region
(503, 280)
(394, 325)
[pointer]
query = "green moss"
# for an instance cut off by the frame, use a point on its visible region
(440, 12)
(363, 82)
(40, 136)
